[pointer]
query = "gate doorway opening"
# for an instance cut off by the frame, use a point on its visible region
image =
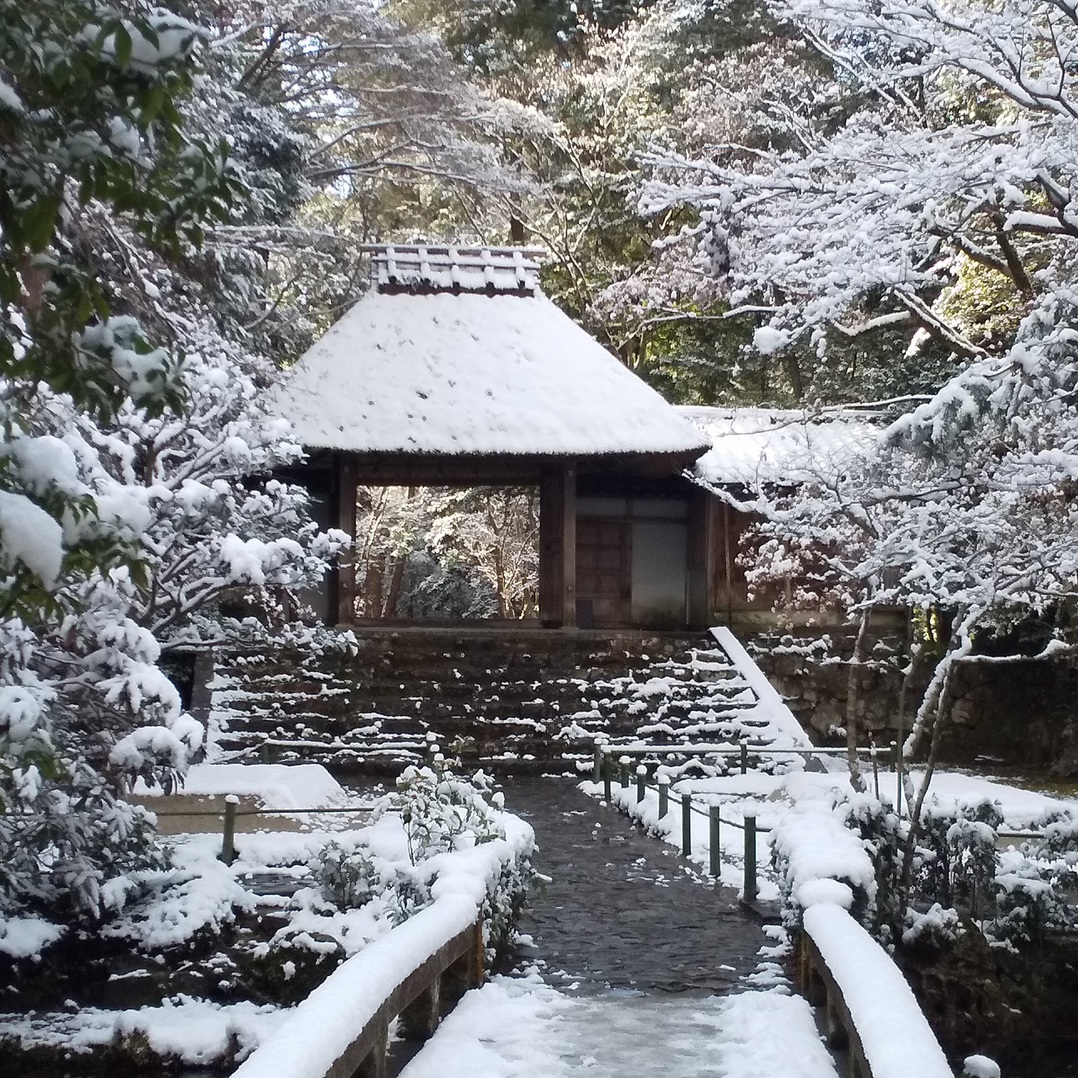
(435, 554)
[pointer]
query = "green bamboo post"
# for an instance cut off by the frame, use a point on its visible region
(624, 762)
(608, 766)
(875, 772)
(664, 795)
(714, 850)
(898, 776)
(750, 890)
(686, 825)
(744, 757)
(228, 838)
(641, 779)
(597, 762)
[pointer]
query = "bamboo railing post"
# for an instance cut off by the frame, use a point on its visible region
(641, 777)
(664, 795)
(597, 762)
(744, 756)
(686, 825)
(608, 766)
(228, 838)
(624, 762)
(875, 772)
(714, 850)
(750, 889)
(898, 776)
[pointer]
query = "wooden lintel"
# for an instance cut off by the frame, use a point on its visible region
(404, 469)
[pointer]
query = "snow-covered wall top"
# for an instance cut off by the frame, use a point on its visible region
(473, 373)
(763, 445)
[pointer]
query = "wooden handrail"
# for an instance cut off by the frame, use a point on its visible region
(866, 999)
(341, 1029)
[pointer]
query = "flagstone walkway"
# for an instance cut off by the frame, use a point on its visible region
(623, 910)
(645, 968)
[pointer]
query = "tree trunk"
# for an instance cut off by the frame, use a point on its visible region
(372, 586)
(395, 581)
(853, 700)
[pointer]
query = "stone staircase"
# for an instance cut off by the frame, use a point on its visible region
(512, 700)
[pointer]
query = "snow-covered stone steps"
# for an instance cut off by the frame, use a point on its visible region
(513, 699)
(716, 695)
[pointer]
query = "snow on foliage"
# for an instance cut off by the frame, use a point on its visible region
(130, 431)
(942, 203)
(414, 895)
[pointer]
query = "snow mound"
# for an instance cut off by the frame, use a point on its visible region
(279, 786)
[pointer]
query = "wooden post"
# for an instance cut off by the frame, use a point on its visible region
(608, 766)
(664, 795)
(750, 890)
(467, 972)
(699, 554)
(686, 825)
(374, 1065)
(597, 762)
(420, 1018)
(557, 545)
(624, 766)
(744, 756)
(228, 838)
(641, 778)
(714, 850)
(346, 521)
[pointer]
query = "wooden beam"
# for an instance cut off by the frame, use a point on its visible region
(469, 470)
(557, 546)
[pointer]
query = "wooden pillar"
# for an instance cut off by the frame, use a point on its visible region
(557, 545)
(346, 521)
(699, 558)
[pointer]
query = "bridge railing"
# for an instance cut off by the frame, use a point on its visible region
(870, 1009)
(415, 972)
(743, 751)
(690, 806)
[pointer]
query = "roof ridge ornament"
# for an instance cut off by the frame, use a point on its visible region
(427, 269)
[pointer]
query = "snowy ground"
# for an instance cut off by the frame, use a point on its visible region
(275, 880)
(515, 1025)
(520, 1027)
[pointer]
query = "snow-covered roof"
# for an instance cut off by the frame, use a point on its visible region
(444, 370)
(762, 445)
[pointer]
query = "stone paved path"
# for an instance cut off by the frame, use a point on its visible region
(624, 910)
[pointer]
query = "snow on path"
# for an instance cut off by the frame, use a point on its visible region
(520, 1027)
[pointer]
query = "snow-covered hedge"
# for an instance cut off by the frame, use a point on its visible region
(821, 859)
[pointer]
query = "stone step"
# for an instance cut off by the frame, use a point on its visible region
(504, 696)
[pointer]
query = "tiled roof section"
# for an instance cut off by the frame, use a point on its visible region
(754, 446)
(432, 269)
